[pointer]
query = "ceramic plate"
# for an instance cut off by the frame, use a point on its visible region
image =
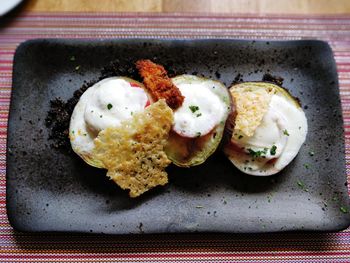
(51, 190)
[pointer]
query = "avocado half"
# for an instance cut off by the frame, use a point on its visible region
(88, 157)
(187, 152)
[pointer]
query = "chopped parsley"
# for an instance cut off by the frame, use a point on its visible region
(285, 132)
(100, 116)
(343, 209)
(273, 150)
(198, 134)
(193, 108)
(72, 58)
(72, 132)
(307, 166)
(240, 137)
(302, 186)
(198, 115)
(257, 154)
(109, 106)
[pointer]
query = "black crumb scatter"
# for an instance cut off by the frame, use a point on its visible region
(237, 79)
(140, 227)
(274, 79)
(58, 118)
(217, 75)
(116, 68)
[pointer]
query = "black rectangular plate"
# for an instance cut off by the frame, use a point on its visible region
(50, 190)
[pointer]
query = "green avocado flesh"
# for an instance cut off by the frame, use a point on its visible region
(187, 152)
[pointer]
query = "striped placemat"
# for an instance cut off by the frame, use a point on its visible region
(283, 247)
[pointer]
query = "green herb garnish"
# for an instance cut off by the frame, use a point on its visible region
(306, 165)
(343, 209)
(72, 58)
(311, 153)
(77, 67)
(199, 206)
(198, 115)
(302, 186)
(193, 108)
(240, 137)
(285, 132)
(198, 134)
(109, 106)
(257, 154)
(273, 150)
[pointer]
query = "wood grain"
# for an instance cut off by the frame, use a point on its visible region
(210, 6)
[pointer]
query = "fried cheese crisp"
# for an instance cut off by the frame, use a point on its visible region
(133, 153)
(158, 83)
(251, 106)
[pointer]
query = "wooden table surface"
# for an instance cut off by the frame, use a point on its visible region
(223, 6)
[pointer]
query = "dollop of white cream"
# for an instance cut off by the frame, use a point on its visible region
(201, 110)
(103, 105)
(276, 141)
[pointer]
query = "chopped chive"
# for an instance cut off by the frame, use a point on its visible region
(77, 67)
(193, 108)
(343, 209)
(256, 154)
(306, 165)
(72, 58)
(199, 206)
(198, 115)
(273, 150)
(109, 106)
(285, 132)
(311, 153)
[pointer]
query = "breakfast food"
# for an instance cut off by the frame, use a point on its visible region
(105, 104)
(199, 122)
(201, 107)
(159, 84)
(136, 130)
(268, 131)
(133, 153)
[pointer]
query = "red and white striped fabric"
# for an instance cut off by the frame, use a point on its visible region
(284, 247)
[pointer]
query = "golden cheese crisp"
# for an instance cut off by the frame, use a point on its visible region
(251, 105)
(133, 153)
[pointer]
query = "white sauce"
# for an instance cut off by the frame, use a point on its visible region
(201, 110)
(103, 105)
(283, 128)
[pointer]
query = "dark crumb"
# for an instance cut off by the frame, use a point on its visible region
(217, 75)
(237, 79)
(274, 79)
(126, 69)
(58, 118)
(140, 228)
